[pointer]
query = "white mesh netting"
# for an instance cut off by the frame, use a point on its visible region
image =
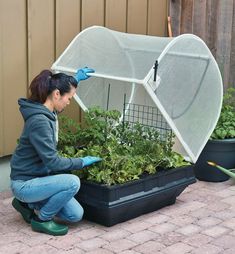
(188, 88)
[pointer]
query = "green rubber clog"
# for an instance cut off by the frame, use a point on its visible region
(49, 227)
(24, 210)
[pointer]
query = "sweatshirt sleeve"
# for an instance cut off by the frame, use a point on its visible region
(42, 139)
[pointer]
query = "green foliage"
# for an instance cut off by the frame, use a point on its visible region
(225, 127)
(69, 135)
(128, 151)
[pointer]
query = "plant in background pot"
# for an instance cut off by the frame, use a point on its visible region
(221, 146)
(139, 172)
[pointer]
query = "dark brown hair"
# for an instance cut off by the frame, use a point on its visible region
(46, 82)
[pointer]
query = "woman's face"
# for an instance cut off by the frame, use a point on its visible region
(61, 101)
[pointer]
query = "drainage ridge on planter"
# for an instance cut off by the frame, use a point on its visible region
(109, 205)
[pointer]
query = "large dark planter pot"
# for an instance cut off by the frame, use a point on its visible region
(109, 205)
(221, 152)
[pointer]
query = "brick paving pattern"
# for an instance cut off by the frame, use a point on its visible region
(202, 221)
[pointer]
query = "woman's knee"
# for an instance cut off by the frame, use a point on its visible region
(74, 182)
(76, 217)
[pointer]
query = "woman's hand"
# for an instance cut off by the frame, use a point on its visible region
(89, 160)
(81, 74)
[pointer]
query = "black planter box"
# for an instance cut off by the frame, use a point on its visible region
(109, 205)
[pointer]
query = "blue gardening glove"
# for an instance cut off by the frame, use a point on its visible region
(82, 74)
(88, 160)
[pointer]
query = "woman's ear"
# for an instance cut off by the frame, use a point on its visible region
(56, 94)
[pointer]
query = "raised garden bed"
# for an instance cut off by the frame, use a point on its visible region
(139, 171)
(109, 205)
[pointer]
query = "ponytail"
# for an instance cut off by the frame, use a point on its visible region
(46, 82)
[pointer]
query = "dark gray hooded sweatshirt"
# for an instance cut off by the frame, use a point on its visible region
(36, 154)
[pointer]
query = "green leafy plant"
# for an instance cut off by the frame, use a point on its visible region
(225, 127)
(128, 151)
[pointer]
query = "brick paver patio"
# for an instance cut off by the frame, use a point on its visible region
(202, 221)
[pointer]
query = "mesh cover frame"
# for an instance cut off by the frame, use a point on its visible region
(188, 90)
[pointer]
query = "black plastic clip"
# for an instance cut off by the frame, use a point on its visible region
(155, 70)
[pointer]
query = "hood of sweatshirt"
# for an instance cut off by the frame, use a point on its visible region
(29, 108)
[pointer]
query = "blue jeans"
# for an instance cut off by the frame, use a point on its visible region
(51, 196)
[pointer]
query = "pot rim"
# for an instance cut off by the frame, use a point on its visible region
(227, 140)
